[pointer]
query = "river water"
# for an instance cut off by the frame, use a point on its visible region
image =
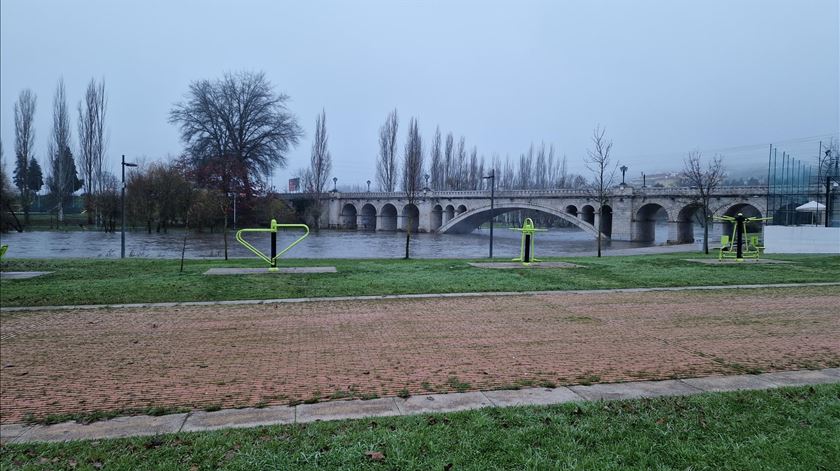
(326, 244)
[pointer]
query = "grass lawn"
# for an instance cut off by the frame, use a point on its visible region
(790, 428)
(151, 280)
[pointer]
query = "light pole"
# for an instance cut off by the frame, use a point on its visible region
(123, 165)
(233, 193)
(368, 182)
(335, 184)
(492, 178)
(623, 171)
(426, 176)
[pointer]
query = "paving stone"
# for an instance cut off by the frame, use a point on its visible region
(239, 418)
(114, 428)
(634, 390)
(729, 383)
(532, 396)
(832, 372)
(443, 403)
(11, 432)
(22, 275)
(337, 410)
(266, 271)
(799, 378)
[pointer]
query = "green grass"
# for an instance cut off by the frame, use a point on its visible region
(150, 280)
(789, 428)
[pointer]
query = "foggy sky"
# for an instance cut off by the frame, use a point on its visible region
(663, 77)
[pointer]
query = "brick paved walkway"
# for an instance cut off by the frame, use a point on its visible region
(227, 356)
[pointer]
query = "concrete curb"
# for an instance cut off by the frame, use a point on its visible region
(401, 296)
(200, 421)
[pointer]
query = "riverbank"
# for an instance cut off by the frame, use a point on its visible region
(151, 280)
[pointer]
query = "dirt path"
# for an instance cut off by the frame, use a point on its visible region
(228, 356)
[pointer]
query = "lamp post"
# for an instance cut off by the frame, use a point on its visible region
(335, 183)
(492, 178)
(368, 182)
(426, 176)
(233, 194)
(123, 165)
(623, 171)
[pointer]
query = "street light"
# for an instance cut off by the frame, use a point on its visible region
(492, 178)
(368, 182)
(426, 176)
(623, 171)
(122, 199)
(335, 183)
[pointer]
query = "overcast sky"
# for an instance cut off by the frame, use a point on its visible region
(663, 77)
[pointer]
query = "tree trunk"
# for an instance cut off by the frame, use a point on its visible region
(60, 211)
(705, 231)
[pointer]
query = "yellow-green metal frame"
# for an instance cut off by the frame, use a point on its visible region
(727, 245)
(272, 261)
(527, 229)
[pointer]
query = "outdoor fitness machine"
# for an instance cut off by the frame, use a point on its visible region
(526, 251)
(742, 244)
(272, 260)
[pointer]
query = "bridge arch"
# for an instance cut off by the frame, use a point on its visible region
(348, 216)
(747, 210)
(587, 214)
(644, 222)
(469, 220)
(572, 210)
(387, 218)
(368, 217)
(436, 218)
(410, 218)
(448, 213)
(606, 218)
(461, 209)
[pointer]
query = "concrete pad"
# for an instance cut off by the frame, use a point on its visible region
(11, 432)
(21, 275)
(532, 397)
(239, 418)
(512, 265)
(732, 261)
(443, 403)
(337, 410)
(799, 378)
(634, 390)
(115, 428)
(729, 383)
(266, 271)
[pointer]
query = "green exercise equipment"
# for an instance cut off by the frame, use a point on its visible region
(526, 250)
(272, 260)
(740, 245)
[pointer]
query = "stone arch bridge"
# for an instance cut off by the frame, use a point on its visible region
(629, 215)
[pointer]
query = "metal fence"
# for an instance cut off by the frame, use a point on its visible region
(793, 183)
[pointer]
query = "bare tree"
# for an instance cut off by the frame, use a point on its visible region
(92, 142)
(472, 175)
(460, 173)
(24, 144)
(412, 175)
(704, 181)
(449, 162)
(236, 131)
(437, 166)
(603, 171)
(541, 169)
(386, 164)
(63, 181)
(320, 165)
